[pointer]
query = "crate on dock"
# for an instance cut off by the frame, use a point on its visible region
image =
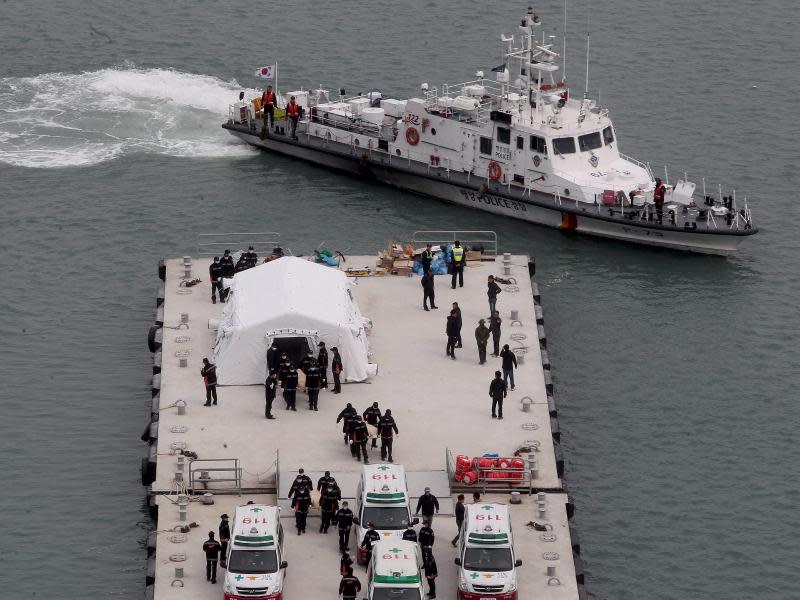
(473, 255)
(403, 267)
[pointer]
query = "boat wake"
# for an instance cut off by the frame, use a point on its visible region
(68, 120)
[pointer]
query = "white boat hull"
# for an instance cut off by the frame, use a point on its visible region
(436, 183)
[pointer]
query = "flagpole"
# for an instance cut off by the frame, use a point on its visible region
(276, 80)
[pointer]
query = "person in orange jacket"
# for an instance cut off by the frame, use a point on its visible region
(293, 116)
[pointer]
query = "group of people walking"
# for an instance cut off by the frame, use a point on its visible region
(356, 431)
(283, 373)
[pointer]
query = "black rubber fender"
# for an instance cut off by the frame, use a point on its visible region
(531, 268)
(157, 363)
(148, 471)
(559, 456)
(570, 510)
(555, 430)
(151, 543)
(576, 558)
(150, 579)
(162, 270)
(159, 318)
(542, 336)
(161, 294)
(537, 310)
(574, 538)
(535, 291)
(551, 405)
(545, 359)
(152, 342)
(152, 508)
(548, 382)
(156, 385)
(145, 437)
(155, 406)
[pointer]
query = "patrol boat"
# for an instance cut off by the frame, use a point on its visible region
(519, 146)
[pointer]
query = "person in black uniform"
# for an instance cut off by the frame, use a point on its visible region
(228, 270)
(290, 389)
(302, 480)
(427, 504)
(322, 363)
(359, 436)
(387, 428)
(209, 373)
(349, 586)
(427, 290)
(494, 328)
(313, 385)
(305, 362)
(451, 329)
(241, 264)
(348, 412)
(497, 391)
(302, 502)
(429, 565)
(345, 563)
(284, 367)
(270, 391)
(328, 505)
(461, 512)
(224, 538)
(336, 369)
(457, 310)
(426, 535)
(426, 259)
(215, 275)
(325, 481)
(344, 523)
(273, 358)
(212, 549)
(372, 416)
(370, 537)
(492, 289)
(251, 257)
(410, 535)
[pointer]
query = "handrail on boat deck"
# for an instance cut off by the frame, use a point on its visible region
(213, 244)
(466, 237)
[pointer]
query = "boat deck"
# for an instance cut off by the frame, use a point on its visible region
(439, 404)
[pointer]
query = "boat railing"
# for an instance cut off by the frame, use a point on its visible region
(486, 239)
(645, 166)
(214, 244)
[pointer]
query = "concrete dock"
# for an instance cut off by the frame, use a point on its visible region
(441, 406)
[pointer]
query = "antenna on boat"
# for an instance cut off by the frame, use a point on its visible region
(588, 40)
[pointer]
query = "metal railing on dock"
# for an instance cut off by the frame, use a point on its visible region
(214, 244)
(468, 239)
(225, 470)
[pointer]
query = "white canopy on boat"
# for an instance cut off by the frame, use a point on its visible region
(295, 294)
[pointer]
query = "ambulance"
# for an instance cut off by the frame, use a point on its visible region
(486, 554)
(382, 499)
(394, 571)
(256, 568)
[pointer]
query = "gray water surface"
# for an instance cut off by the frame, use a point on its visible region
(676, 375)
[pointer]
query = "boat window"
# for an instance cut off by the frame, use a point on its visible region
(564, 145)
(538, 144)
(520, 142)
(486, 145)
(590, 141)
(504, 135)
(608, 135)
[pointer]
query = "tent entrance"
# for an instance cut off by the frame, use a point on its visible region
(296, 343)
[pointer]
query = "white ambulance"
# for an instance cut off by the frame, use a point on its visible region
(256, 568)
(394, 571)
(382, 499)
(486, 554)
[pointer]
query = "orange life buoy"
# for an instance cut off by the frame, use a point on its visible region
(495, 171)
(412, 136)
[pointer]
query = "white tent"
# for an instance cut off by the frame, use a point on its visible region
(288, 294)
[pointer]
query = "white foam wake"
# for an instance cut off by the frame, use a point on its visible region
(61, 120)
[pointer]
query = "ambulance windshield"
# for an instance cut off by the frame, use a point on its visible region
(386, 517)
(488, 559)
(253, 561)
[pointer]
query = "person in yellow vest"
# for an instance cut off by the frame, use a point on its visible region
(459, 258)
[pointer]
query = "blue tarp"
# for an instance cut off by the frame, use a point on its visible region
(438, 265)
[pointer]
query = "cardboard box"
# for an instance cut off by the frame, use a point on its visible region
(403, 267)
(473, 254)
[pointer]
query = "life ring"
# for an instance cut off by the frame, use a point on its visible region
(412, 136)
(495, 171)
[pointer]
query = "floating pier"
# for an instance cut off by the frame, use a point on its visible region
(230, 454)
